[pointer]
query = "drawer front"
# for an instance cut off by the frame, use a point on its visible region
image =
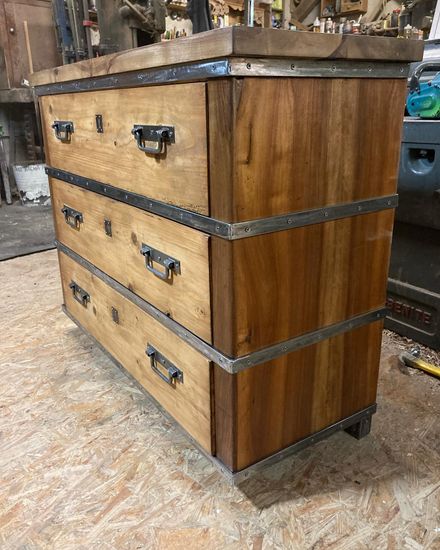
(173, 271)
(178, 175)
(125, 331)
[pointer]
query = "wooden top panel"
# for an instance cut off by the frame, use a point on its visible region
(238, 42)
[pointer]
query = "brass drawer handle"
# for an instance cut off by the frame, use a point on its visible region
(80, 295)
(173, 373)
(161, 135)
(63, 129)
(152, 255)
(73, 217)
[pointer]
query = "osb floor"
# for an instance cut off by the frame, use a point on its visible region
(87, 462)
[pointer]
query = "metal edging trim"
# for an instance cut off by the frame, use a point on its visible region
(229, 364)
(232, 66)
(317, 68)
(225, 230)
(147, 77)
(240, 476)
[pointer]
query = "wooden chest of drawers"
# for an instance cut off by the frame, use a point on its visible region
(223, 208)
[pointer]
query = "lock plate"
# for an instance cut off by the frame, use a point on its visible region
(99, 126)
(108, 228)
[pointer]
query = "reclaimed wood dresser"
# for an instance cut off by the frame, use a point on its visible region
(224, 208)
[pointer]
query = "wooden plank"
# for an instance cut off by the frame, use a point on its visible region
(302, 10)
(318, 141)
(285, 400)
(5, 57)
(16, 95)
(39, 38)
(185, 297)
(275, 43)
(225, 407)
(179, 176)
(288, 283)
(238, 41)
(221, 133)
(208, 45)
(4, 170)
(187, 402)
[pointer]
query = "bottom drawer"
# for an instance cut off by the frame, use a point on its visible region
(176, 375)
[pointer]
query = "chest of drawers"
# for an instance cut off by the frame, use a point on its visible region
(223, 208)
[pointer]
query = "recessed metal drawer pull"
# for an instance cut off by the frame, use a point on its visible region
(79, 294)
(173, 373)
(157, 134)
(63, 129)
(152, 255)
(74, 218)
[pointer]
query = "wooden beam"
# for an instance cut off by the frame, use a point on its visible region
(304, 8)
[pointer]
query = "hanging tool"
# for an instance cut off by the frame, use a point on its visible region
(412, 359)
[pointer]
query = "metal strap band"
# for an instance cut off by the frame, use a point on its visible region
(231, 66)
(325, 68)
(225, 230)
(231, 365)
(242, 475)
(237, 477)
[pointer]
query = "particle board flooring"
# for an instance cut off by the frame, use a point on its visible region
(87, 461)
(25, 230)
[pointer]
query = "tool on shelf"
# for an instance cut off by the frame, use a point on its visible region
(424, 98)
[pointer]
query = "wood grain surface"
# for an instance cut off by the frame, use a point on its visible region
(317, 141)
(185, 297)
(282, 401)
(288, 283)
(187, 402)
(236, 42)
(179, 176)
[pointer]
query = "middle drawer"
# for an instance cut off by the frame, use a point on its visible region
(164, 262)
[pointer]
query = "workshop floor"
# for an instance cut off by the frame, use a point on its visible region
(25, 230)
(86, 461)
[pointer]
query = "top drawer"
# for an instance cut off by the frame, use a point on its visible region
(109, 152)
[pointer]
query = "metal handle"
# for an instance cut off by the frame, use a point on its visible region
(157, 134)
(79, 294)
(170, 264)
(173, 373)
(63, 129)
(74, 218)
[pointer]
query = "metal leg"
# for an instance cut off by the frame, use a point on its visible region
(361, 428)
